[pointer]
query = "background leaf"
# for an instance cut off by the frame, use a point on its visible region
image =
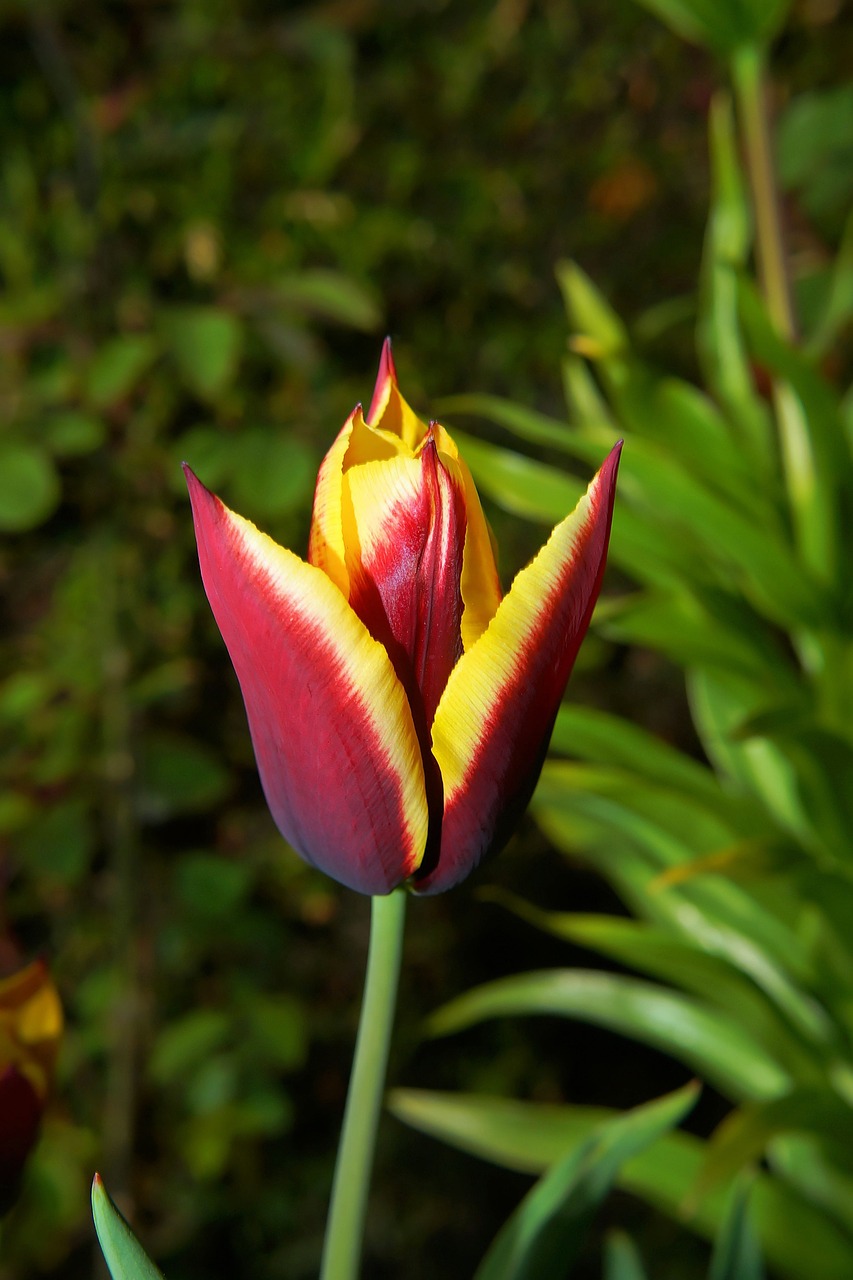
(542, 1238)
(123, 1253)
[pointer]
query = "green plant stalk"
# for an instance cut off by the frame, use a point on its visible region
(748, 78)
(811, 512)
(345, 1225)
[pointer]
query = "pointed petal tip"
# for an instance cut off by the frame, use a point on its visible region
(608, 471)
(199, 493)
(386, 379)
(612, 459)
(386, 360)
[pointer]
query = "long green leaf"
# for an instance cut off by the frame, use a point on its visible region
(678, 624)
(721, 702)
(543, 1237)
(737, 1254)
(810, 432)
(594, 320)
(662, 880)
(805, 1163)
(124, 1255)
(706, 1040)
(590, 734)
(736, 977)
(799, 1240)
(527, 424)
(745, 1133)
(720, 341)
(622, 1258)
(541, 493)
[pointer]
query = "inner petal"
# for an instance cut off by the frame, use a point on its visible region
(404, 532)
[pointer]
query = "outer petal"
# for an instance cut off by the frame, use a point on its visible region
(333, 735)
(494, 721)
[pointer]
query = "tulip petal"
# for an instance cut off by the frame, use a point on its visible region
(481, 587)
(494, 721)
(404, 529)
(392, 429)
(356, 443)
(326, 539)
(336, 748)
(388, 410)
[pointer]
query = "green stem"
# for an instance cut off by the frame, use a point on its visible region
(748, 77)
(345, 1226)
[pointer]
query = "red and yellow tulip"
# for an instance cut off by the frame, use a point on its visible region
(400, 709)
(30, 1030)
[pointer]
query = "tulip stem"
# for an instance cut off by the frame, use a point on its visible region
(345, 1225)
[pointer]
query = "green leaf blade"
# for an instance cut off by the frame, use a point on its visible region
(544, 1235)
(122, 1252)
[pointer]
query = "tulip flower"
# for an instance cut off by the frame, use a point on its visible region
(30, 1029)
(400, 708)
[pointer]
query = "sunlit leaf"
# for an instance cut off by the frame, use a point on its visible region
(593, 319)
(745, 1133)
(737, 1254)
(544, 1235)
(719, 339)
(722, 967)
(622, 1258)
(799, 1240)
(706, 1040)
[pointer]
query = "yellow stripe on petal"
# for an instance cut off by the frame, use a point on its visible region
(326, 540)
(481, 588)
(494, 720)
(405, 526)
(333, 734)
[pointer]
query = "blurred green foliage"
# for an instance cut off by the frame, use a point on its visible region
(210, 215)
(732, 527)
